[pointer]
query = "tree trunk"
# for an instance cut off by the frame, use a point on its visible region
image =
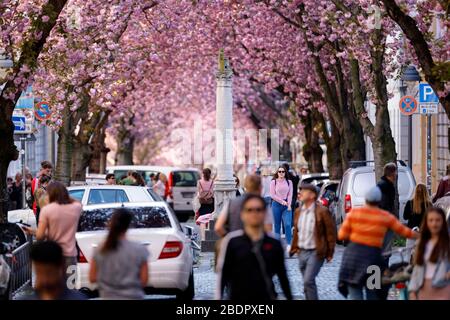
(312, 152)
(124, 155)
(98, 160)
(333, 143)
(125, 144)
(65, 149)
(81, 156)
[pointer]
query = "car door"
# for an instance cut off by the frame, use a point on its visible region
(184, 188)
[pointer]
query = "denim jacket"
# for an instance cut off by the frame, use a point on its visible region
(438, 280)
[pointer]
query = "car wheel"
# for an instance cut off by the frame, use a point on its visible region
(189, 293)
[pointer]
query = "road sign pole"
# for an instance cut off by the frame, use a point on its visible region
(429, 153)
(24, 182)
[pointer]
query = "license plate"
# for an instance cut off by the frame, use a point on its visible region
(188, 194)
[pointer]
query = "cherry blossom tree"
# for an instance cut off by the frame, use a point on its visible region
(24, 29)
(431, 48)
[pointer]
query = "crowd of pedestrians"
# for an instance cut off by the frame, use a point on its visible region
(251, 249)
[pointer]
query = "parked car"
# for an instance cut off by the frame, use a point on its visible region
(156, 227)
(90, 195)
(357, 181)
(181, 185)
(103, 194)
(328, 192)
(317, 179)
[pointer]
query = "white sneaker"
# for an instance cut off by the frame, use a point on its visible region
(288, 248)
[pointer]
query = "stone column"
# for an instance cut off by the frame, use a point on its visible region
(224, 185)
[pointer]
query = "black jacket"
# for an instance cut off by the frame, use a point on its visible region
(414, 219)
(245, 269)
(388, 194)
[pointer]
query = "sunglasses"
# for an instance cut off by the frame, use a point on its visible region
(281, 171)
(254, 210)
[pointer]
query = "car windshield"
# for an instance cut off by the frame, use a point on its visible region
(330, 191)
(185, 178)
(143, 217)
(119, 174)
(97, 196)
(77, 194)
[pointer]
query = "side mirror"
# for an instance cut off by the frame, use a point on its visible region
(188, 231)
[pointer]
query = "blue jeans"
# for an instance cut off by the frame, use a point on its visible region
(356, 293)
(310, 265)
(268, 201)
(282, 213)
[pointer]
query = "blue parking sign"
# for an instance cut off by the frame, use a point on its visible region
(426, 94)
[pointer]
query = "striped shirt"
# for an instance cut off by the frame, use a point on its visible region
(306, 226)
(368, 227)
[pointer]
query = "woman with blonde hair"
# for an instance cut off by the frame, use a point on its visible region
(416, 207)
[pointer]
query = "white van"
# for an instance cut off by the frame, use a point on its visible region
(181, 185)
(356, 182)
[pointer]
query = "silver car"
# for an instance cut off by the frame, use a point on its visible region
(356, 182)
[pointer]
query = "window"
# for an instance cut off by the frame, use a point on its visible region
(154, 195)
(330, 192)
(97, 196)
(403, 184)
(77, 194)
(143, 217)
(146, 175)
(363, 183)
(185, 178)
(119, 174)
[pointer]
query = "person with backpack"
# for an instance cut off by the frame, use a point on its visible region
(295, 179)
(229, 219)
(40, 195)
(120, 266)
(46, 170)
(205, 189)
(281, 191)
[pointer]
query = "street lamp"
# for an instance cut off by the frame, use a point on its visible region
(408, 81)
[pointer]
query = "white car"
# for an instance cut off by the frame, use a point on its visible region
(181, 185)
(89, 195)
(156, 227)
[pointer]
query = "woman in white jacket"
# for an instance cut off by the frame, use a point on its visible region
(430, 279)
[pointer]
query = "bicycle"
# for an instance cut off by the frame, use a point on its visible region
(398, 274)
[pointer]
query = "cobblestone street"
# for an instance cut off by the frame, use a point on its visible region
(205, 278)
